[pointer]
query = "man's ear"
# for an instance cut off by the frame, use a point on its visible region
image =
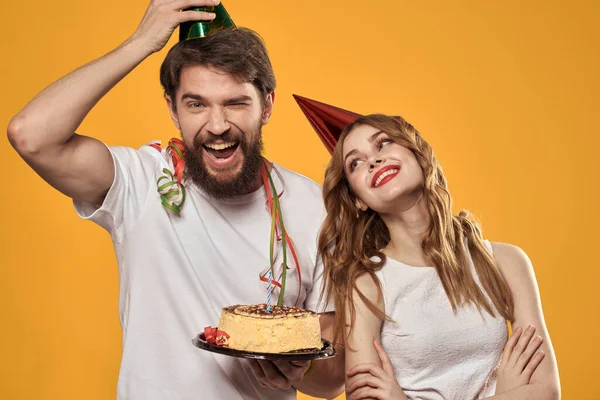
(268, 110)
(172, 111)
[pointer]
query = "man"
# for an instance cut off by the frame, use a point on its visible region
(181, 261)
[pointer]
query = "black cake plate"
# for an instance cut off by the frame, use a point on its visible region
(300, 355)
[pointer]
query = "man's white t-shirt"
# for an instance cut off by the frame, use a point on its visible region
(177, 272)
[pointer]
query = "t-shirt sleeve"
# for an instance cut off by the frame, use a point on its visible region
(313, 300)
(134, 173)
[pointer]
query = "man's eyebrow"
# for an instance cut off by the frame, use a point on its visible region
(233, 100)
(238, 99)
(193, 96)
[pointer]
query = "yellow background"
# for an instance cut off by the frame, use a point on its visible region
(506, 92)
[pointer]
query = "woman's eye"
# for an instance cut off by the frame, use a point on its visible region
(383, 143)
(354, 164)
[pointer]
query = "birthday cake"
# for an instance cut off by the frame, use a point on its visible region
(282, 329)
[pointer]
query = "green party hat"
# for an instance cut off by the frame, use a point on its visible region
(200, 29)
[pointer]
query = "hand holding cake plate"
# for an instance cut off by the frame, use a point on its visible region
(251, 331)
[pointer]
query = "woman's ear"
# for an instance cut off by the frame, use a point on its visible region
(360, 205)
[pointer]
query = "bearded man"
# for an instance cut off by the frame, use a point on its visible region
(197, 240)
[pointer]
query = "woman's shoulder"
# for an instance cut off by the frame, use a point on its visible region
(508, 252)
(512, 261)
(368, 285)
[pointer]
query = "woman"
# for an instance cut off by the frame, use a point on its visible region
(405, 272)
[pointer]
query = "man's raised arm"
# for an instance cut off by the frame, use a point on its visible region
(43, 133)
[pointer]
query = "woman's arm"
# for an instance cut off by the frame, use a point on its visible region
(370, 374)
(518, 271)
(365, 328)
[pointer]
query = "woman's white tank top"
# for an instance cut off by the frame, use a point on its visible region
(436, 353)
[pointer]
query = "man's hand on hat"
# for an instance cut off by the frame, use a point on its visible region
(163, 16)
(279, 375)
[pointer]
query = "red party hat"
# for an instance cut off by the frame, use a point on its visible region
(328, 121)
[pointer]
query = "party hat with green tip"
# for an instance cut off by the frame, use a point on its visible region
(200, 29)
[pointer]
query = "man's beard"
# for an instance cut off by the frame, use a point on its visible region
(225, 185)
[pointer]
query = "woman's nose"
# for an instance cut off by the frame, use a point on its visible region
(375, 162)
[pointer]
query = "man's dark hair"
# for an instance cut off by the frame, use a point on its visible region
(240, 52)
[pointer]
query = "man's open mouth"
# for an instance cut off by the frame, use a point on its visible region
(221, 150)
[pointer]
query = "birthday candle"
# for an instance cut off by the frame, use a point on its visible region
(269, 290)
